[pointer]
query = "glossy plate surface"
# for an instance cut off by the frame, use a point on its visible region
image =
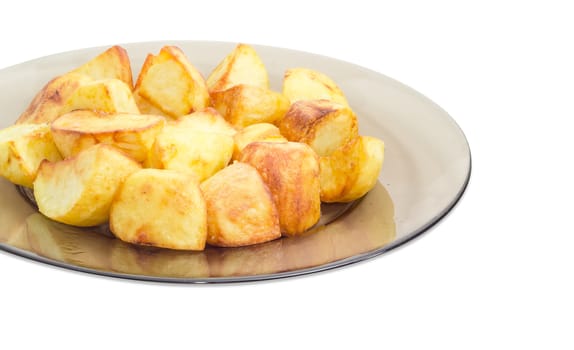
(427, 167)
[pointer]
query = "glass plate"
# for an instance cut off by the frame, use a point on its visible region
(426, 169)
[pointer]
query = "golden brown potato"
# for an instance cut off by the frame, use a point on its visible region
(255, 132)
(322, 124)
(171, 83)
(207, 120)
(243, 105)
(240, 208)
(105, 95)
(22, 149)
(340, 169)
(307, 84)
(291, 171)
(161, 208)
(47, 105)
(133, 134)
(114, 63)
(146, 107)
(370, 164)
(199, 153)
(79, 191)
(241, 66)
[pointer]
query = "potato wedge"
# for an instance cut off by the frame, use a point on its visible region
(160, 208)
(291, 171)
(322, 124)
(207, 120)
(133, 134)
(146, 107)
(340, 170)
(241, 66)
(255, 132)
(307, 84)
(240, 208)
(199, 153)
(48, 103)
(171, 83)
(22, 148)
(243, 105)
(114, 63)
(106, 96)
(79, 191)
(370, 164)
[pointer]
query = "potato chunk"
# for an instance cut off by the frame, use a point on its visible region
(370, 164)
(307, 84)
(49, 102)
(22, 149)
(106, 95)
(241, 66)
(255, 132)
(79, 191)
(240, 208)
(132, 133)
(171, 83)
(243, 105)
(114, 63)
(291, 171)
(207, 120)
(199, 153)
(322, 124)
(161, 208)
(340, 170)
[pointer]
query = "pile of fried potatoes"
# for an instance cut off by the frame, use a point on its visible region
(178, 161)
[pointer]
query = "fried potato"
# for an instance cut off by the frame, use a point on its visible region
(114, 63)
(22, 149)
(171, 83)
(291, 171)
(134, 134)
(322, 124)
(307, 84)
(199, 153)
(106, 95)
(79, 191)
(340, 170)
(161, 208)
(243, 105)
(240, 208)
(255, 132)
(147, 107)
(241, 66)
(48, 103)
(207, 120)
(370, 164)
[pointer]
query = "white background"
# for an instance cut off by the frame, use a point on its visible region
(496, 273)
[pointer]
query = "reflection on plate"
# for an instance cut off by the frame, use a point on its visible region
(427, 167)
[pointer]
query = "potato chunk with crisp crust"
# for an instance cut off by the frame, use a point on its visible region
(106, 95)
(162, 208)
(291, 171)
(240, 208)
(79, 191)
(307, 84)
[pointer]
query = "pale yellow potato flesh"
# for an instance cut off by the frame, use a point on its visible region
(105, 95)
(307, 84)
(340, 170)
(207, 120)
(161, 208)
(114, 63)
(255, 132)
(22, 148)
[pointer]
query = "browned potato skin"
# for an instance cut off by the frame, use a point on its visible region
(133, 134)
(189, 95)
(114, 63)
(240, 208)
(307, 84)
(161, 208)
(243, 105)
(241, 66)
(322, 124)
(340, 170)
(291, 171)
(22, 148)
(48, 103)
(79, 191)
(255, 132)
